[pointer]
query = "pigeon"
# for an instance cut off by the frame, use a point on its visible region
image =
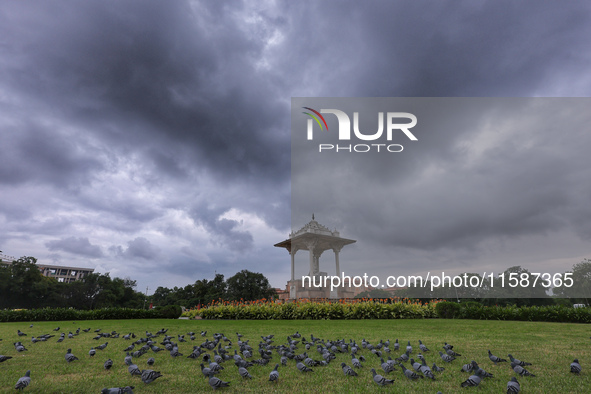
(21, 334)
(396, 345)
(520, 370)
(91, 352)
(118, 390)
(438, 369)
(472, 381)
(355, 361)
(70, 357)
(215, 367)
(513, 386)
(206, 371)
(467, 368)
(575, 367)
(479, 371)
(409, 348)
(274, 375)
(24, 381)
(495, 359)
(303, 368)
(423, 347)
(412, 375)
(379, 379)
(4, 358)
(148, 375)
(134, 370)
(108, 364)
(56, 329)
(518, 362)
(452, 353)
(347, 370)
(446, 357)
(127, 359)
(244, 373)
(216, 383)
(387, 367)
(404, 357)
(19, 347)
(151, 361)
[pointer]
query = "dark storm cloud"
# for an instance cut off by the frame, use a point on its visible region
(80, 246)
(223, 230)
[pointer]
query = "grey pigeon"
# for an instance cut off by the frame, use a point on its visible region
(303, 368)
(575, 367)
(479, 371)
(134, 370)
(513, 386)
(128, 359)
(412, 375)
(472, 381)
(206, 371)
(274, 375)
(518, 362)
(423, 347)
(148, 375)
(24, 381)
(409, 348)
(70, 357)
(387, 367)
(91, 352)
(446, 357)
(467, 368)
(108, 364)
(379, 379)
(215, 367)
(347, 370)
(355, 361)
(151, 361)
(438, 369)
(118, 390)
(216, 383)
(4, 358)
(396, 345)
(244, 373)
(495, 359)
(520, 370)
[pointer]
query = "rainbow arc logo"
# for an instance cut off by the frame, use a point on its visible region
(315, 117)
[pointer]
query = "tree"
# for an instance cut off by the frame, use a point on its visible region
(249, 286)
(580, 291)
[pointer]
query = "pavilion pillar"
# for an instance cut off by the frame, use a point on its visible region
(336, 250)
(292, 252)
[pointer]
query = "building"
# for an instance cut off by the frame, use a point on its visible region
(61, 273)
(316, 239)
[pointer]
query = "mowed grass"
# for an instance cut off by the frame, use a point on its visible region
(550, 347)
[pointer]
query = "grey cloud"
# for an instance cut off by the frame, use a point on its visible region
(79, 246)
(139, 247)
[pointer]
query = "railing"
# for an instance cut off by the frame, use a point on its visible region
(4, 257)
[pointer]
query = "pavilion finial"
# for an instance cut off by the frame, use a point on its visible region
(312, 215)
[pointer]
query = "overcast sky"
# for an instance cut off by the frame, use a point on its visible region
(152, 140)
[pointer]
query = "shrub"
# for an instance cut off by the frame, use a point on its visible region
(170, 311)
(448, 310)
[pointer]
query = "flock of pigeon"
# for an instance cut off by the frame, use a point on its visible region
(220, 351)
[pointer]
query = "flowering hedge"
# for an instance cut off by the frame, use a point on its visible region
(315, 310)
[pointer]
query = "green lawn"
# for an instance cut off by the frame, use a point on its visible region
(551, 347)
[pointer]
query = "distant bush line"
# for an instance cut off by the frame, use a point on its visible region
(62, 314)
(551, 313)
